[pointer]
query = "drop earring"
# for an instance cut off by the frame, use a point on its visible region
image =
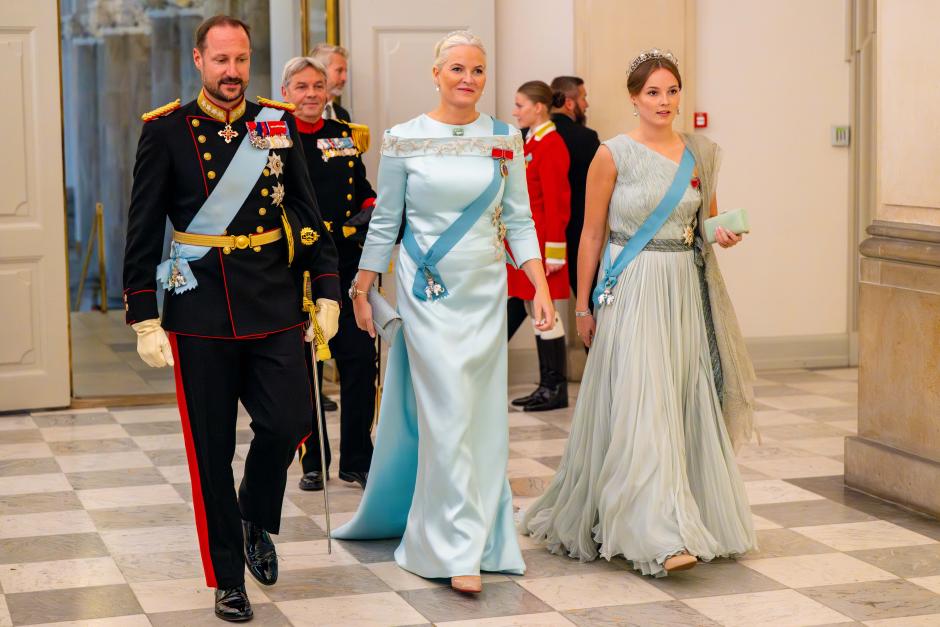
(437, 88)
(635, 112)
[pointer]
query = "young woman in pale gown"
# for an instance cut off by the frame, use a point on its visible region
(649, 470)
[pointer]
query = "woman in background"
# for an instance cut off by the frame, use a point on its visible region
(550, 197)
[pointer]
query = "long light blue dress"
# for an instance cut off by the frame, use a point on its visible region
(649, 469)
(438, 474)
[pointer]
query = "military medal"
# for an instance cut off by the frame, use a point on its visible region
(228, 133)
(337, 147)
(269, 135)
(275, 165)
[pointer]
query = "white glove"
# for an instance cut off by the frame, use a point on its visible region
(327, 319)
(153, 346)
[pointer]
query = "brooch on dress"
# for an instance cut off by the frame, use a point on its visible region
(500, 227)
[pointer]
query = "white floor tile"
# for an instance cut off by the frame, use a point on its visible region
(857, 536)
(103, 461)
(824, 569)
(776, 491)
(572, 592)
(74, 573)
(30, 484)
(363, 610)
(132, 496)
(779, 608)
(547, 619)
(46, 524)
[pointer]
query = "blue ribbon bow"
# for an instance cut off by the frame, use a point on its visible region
(428, 284)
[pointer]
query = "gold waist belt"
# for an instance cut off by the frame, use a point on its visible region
(227, 242)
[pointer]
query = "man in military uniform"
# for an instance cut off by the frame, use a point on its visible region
(582, 143)
(233, 181)
(346, 199)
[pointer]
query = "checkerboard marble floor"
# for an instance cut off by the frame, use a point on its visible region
(96, 528)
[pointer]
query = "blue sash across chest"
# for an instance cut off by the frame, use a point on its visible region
(603, 293)
(428, 284)
(218, 211)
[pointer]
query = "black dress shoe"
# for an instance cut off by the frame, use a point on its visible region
(232, 604)
(327, 403)
(522, 401)
(259, 553)
(312, 481)
(355, 477)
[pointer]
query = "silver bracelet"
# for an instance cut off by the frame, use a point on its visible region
(582, 314)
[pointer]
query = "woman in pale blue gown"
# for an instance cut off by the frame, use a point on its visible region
(438, 475)
(649, 470)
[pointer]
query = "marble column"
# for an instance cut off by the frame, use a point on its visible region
(190, 83)
(85, 135)
(896, 454)
(123, 94)
(165, 56)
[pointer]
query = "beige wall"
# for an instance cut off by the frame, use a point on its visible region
(773, 78)
(908, 89)
(534, 41)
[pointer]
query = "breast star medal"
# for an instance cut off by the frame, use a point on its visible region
(275, 164)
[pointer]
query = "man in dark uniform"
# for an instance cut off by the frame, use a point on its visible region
(346, 200)
(582, 143)
(232, 179)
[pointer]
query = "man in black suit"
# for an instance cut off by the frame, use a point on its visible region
(582, 143)
(231, 176)
(336, 61)
(346, 199)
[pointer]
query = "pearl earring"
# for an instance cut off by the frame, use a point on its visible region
(635, 112)
(437, 88)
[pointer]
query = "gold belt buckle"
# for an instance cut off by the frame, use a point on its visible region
(242, 242)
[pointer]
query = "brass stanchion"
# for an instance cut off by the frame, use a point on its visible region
(96, 232)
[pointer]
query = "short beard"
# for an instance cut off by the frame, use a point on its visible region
(218, 96)
(336, 92)
(579, 116)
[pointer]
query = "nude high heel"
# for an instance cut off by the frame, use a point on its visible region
(680, 561)
(467, 583)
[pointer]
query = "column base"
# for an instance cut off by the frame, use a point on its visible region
(893, 474)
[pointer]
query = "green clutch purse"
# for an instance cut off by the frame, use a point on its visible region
(734, 221)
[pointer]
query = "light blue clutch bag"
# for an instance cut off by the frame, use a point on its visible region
(385, 318)
(734, 221)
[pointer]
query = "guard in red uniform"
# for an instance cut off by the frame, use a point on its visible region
(547, 163)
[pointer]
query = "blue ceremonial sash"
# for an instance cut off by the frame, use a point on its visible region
(218, 211)
(603, 292)
(428, 284)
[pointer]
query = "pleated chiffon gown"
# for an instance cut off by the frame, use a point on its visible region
(649, 469)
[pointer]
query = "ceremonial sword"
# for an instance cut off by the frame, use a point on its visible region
(321, 352)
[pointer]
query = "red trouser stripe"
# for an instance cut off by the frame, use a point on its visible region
(202, 528)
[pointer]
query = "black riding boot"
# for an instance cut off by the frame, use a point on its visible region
(541, 390)
(555, 377)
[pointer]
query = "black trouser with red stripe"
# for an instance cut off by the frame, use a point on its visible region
(268, 375)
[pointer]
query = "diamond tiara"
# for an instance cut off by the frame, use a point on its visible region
(652, 53)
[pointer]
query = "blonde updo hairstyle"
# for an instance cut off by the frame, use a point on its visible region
(452, 40)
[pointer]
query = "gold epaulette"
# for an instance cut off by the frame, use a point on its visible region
(360, 135)
(159, 112)
(276, 104)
